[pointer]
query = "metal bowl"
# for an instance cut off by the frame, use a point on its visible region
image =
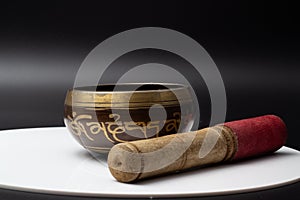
(104, 115)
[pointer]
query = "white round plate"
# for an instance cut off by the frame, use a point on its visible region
(49, 160)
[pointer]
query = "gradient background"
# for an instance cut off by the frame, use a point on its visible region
(254, 44)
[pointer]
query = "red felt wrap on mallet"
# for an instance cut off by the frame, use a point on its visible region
(258, 135)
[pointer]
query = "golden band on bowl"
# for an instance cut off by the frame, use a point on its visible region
(101, 116)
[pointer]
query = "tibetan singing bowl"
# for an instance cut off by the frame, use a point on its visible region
(104, 115)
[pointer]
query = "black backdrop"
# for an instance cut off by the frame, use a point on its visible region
(254, 44)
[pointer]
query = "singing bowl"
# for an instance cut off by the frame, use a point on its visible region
(101, 116)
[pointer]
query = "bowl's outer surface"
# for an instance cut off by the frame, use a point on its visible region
(98, 120)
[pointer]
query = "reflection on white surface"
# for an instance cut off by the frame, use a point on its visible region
(49, 160)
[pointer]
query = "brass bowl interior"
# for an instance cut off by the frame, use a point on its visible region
(137, 94)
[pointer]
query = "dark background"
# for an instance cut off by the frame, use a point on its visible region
(255, 45)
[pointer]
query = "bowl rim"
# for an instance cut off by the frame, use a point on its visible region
(180, 87)
(141, 98)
